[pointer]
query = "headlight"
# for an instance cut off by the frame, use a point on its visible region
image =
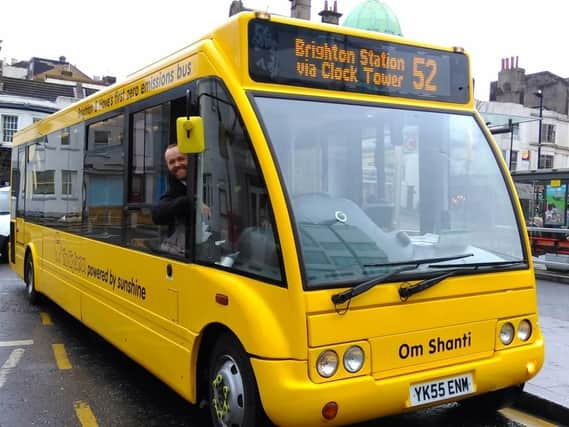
(524, 330)
(327, 363)
(507, 333)
(353, 359)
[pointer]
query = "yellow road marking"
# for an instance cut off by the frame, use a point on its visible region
(525, 419)
(45, 319)
(61, 356)
(85, 415)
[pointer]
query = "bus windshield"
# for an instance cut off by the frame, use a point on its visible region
(372, 185)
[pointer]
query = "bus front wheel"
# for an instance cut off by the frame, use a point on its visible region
(30, 279)
(233, 396)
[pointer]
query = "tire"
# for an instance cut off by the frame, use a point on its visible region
(233, 397)
(30, 279)
(491, 402)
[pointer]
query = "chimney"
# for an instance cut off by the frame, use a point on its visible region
(109, 80)
(300, 9)
(330, 16)
(236, 7)
(78, 90)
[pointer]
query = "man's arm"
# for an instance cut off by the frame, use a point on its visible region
(169, 208)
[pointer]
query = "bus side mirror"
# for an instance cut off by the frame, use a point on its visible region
(190, 135)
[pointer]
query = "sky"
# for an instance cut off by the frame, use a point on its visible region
(119, 37)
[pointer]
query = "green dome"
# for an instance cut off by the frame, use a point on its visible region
(373, 15)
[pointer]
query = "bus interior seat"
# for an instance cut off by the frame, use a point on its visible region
(257, 250)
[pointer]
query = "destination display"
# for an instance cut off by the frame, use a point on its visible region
(286, 54)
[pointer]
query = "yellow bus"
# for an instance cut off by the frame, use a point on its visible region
(364, 252)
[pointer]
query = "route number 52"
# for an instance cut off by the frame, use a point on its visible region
(424, 72)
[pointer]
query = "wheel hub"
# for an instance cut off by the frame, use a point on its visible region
(228, 393)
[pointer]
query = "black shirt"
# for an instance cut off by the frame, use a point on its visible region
(173, 206)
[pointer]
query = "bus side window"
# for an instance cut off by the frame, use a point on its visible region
(72, 153)
(240, 233)
(104, 180)
(57, 186)
(40, 179)
(150, 129)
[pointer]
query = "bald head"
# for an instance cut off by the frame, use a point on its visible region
(177, 162)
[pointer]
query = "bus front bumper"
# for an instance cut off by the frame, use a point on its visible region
(291, 399)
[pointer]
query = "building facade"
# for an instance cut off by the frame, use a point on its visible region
(514, 85)
(520, 147)
(528, 100)
(31, 90)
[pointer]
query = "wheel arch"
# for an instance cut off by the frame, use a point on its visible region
(204, 346)
(213, 335)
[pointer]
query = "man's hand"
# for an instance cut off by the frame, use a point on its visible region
(206, 211)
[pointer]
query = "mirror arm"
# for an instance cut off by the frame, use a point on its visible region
(188, 106)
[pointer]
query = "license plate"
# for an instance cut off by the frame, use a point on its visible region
(442, 389)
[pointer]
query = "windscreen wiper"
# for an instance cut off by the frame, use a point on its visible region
(407, 291)
(480, 264)
(360, 288)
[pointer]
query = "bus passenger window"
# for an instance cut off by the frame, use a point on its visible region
(150, 134)
(239, 233)
(40, 185)
(57, 185)
(72, 153)
(104, 180)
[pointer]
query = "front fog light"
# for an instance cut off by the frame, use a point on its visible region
(327, 363)
(524, 330)
(353, 359)
(507, 333)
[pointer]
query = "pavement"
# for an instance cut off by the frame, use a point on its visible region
(547, 394)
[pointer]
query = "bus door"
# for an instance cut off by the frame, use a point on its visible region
(238, 230)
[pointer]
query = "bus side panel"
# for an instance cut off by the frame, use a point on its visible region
(64, 291)
(126, 297)
(260, 315)
(141, 341)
